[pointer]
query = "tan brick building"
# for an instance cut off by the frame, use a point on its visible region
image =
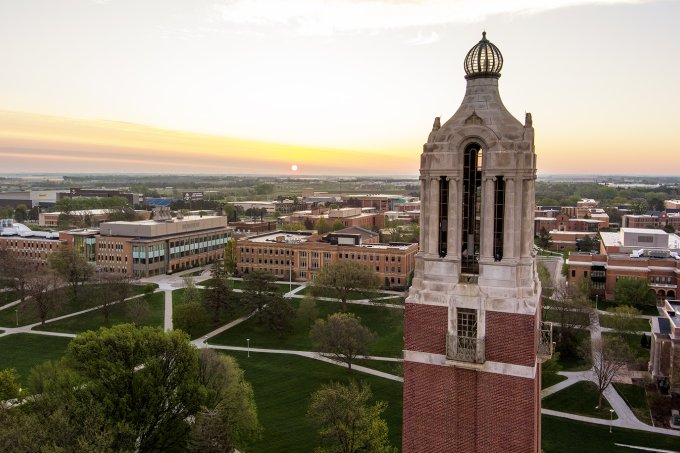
(630, 253)
(20, 241)
(300, 255)
(664, 364)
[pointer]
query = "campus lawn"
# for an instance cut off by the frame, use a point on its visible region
(330, 292)
(553, 315)
(639, 324)
(87, 298)
(23, 351)
(580, 398)
(225, 318)
(93, 320)
(560, 435)
(386, 323)
(238, 284)
(283, 386)
(551, 379)
(7, 297)
(636, 398)
(396, 368)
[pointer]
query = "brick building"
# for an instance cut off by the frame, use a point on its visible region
(630, 253)
(20, 241)
(473, 332)
(299, 255)
(246, 226)
(656, 220)
(664, 364)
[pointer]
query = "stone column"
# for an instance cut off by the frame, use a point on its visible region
(433, 224)
(528, 201)
(423, 213)
(509, 226)
(486, 227)
(453, 233)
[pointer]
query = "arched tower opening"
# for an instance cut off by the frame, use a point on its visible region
(472, 201)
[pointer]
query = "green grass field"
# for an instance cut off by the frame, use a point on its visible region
(238, 284)
(225, 318)
(583, 318)
(23, 351)
(396, 368)
(283, 386)
(86, 299)
(354, 295)
(636, 398)
(576, 362)
(638, 324)
(93, 320)
(640, 353)
(551, 379)
(7, 297)
(386, 323)
(567, 436)
(645, 309)
(580, 398)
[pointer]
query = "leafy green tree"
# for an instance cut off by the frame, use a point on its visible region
(322, 226)
(259, 289)
(144, 378)
(345, 277)
(21, 213)
(544, 240)
(342, 336)
(230, 264)
(624, 318)
(228, 419)
(337, 225)
(264, 188)
(9, 385)
(71, 266)
(218, 297)
(307, 312)
(190, 317)
(545, 278)
(346, 422)
(278, 314)
(633, 291)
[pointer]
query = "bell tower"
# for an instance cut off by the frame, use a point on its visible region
(473, 334)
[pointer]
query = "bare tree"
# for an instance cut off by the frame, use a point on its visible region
(608, 357)
(42, 290)
(17, 270)
(345, 277)
(71, 266)
(113, 288)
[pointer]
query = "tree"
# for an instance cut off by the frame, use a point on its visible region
(337, 225)
(345, 277)
(218, 297)
(278, 314)
(21, 213)
(572, 308)
(322, 226)
(230, 256)
(544, 239)
(545, 278)
(259, 289)
(624, 318)
(228, 419)
(71, 266)
(633, 291)
(341, 336)
(307, 312)
(144, 378)
(346, 422)
(190, 317)
(608, 357)
(43, 294)
(18, 270)
(9, 385)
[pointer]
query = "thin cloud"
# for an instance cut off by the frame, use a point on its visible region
(421, 39)
(326, 17)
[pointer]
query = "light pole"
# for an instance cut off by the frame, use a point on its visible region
(248, 341)
(611, 419)
(16, 314)
(597, 296)
(290, 275)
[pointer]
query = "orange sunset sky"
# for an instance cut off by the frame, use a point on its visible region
(345, 87)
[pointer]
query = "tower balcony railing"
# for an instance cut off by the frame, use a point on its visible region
(546, 346)
(464, 349)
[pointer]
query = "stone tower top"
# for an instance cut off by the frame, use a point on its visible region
(483, 60)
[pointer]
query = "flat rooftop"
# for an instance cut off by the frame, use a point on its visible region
(158, 228)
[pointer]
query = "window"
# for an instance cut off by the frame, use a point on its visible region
(466, 323)
(443, 214)
(498, 218)
(573, 273)
(472, 181)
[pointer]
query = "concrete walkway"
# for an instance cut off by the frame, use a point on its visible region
(315, 356)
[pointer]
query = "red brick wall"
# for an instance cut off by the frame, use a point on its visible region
(448, 409)
(510, 338)
(425, 328)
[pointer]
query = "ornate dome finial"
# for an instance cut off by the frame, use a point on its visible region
(483, 60)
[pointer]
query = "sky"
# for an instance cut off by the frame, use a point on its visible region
(345, 87)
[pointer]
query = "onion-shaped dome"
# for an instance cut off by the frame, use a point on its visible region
(483, 60)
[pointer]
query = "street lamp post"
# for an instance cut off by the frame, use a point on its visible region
(597, 296)
(611, 419)
(248, 341)
(16, 314)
